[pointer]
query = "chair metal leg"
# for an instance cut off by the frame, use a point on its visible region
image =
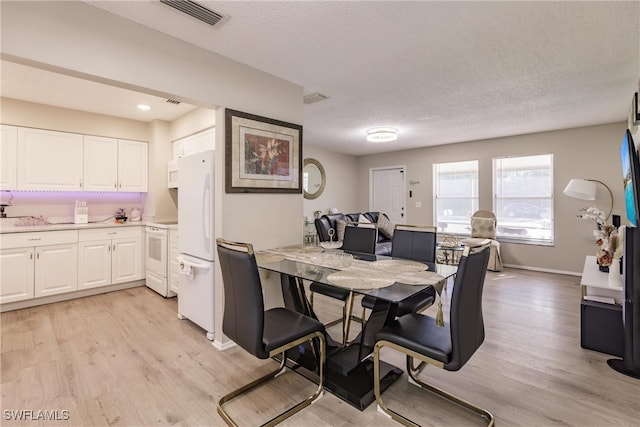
(486, 415)
(296, 408)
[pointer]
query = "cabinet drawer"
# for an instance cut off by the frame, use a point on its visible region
(38, 238)
(109, 233)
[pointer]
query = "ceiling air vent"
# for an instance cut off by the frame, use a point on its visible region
(314, 97)
(195, 10)
(173, 101)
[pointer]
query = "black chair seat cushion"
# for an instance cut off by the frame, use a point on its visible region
(384, 248)
(281, 326)
(419, 333)
(413, 304)
(330, 291)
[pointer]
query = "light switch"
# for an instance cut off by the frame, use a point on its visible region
(418, 204)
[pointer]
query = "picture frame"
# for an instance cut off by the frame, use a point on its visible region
(636, 110)
(262, 155)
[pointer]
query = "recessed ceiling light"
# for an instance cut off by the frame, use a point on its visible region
(144, 107)
(382, 134)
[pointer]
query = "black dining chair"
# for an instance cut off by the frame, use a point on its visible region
(265, 334)
(447, 346)
(356, 239)
(416, 243)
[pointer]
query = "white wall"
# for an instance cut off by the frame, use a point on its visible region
(80, 40)
(588, 152)
(341, 190)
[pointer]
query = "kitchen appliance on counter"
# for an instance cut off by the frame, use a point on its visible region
(157, 250)
(197, 242)
(135, 214)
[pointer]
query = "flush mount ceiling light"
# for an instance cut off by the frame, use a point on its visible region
(382, 134)
(144, 107)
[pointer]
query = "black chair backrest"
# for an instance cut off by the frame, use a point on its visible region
(360, 239)
(466, 322)
(243, 319)
(327, 222)
(416, 245)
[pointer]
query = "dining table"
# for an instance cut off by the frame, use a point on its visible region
(349, 366)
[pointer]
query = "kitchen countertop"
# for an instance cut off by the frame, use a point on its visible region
(55, 227)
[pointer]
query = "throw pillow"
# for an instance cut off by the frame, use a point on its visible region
(340, 226)
(363, 221)
(385, 226)
(483, 227)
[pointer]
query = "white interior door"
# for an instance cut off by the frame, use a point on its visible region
(387, 193)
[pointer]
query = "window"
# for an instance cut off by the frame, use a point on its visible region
(523, 198)
(456, 195)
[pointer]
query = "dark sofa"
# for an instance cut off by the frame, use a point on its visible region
(327, 222)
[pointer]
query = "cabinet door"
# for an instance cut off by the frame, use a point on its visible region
(16, 274)
(100, 163)
(94, 264)
(126, 260)
(56, 269)
(8, 157)
(132, 166)
(49, 160)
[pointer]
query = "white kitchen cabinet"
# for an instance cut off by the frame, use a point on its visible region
(133, 166)
(17, 269)
(38, 264)
(197, 143)
(174, 267)
(109, 256)
(49, 160)
(100, 163)
(8, 157)
(56, 269)
(94, 264)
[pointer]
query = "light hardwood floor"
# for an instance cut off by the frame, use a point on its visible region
(124, 359)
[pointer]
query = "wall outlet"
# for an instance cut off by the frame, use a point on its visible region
(418, 204)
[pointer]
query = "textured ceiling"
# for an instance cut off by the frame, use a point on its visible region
(440, 72)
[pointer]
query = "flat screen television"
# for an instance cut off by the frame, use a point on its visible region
(631, 178)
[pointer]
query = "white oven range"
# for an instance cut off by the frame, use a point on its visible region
(157, 258)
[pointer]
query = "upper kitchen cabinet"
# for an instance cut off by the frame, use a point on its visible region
(100, 163)
(133, 166)
(49, 160)
(8, 157)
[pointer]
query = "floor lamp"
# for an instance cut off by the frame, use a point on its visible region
(585, 189)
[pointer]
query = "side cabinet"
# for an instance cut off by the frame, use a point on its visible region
(56, 269)
(8, 157)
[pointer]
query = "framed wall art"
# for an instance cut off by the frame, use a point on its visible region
(262, 155)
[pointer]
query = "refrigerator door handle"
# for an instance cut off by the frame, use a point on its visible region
(206, 200)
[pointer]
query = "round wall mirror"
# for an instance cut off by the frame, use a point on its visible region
(313, 179)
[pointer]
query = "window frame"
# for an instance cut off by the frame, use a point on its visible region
(475, 200)
(500, 199)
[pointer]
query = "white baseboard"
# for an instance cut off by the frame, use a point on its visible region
(68, 296)
(222, 346)
(544, 270)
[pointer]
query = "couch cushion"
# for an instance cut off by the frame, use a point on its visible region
(340, 227)
(385, 226)
(483, 228)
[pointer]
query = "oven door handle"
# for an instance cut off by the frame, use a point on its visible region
(156, 231)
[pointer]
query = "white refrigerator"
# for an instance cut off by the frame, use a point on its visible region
(197, 242)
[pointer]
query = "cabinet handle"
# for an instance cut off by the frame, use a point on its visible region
(30, 256)
(120, 185)
(109, 248)
(112, 232)
(34, 239)
(114, 247)
(37, 255)
(115, 185)
(80, 184)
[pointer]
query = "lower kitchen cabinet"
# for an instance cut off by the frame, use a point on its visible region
(38, 264)
(56, 269)
(17, 270)
(110, 256)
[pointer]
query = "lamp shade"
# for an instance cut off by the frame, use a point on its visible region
(581, 189)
